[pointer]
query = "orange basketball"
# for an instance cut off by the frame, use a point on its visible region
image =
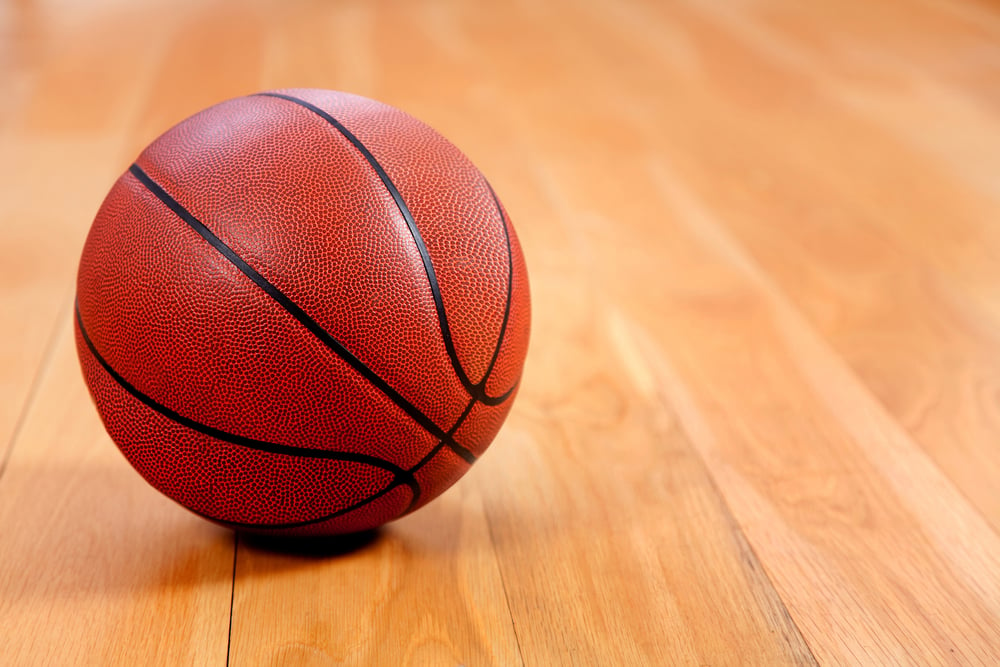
(302, 312)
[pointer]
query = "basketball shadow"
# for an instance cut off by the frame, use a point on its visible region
(318, 548)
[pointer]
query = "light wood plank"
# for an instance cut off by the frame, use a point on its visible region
(64, 137)
(869, 545)
(881, 215)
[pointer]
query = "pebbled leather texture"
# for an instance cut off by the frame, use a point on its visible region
(193, 343)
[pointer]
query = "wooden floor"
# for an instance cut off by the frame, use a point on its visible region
(760, 418)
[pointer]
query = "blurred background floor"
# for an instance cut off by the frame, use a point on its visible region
(759, 418)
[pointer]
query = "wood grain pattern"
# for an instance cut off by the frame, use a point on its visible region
(758, 420)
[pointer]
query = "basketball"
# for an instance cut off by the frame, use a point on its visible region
(302, 312)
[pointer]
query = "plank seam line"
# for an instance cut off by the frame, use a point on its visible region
(503, 586)
(232, 596)
(749, 558)
(743, 542)
(36, 381)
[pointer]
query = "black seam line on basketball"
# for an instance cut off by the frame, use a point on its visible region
(458, 422)
(404, 476)
(297, 312)
(496, 350)
(437, 448)
(477, 390)
(482, 396)
(418, 239)
(307, 522)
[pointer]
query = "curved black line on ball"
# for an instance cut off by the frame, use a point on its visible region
(437, 448)
(306, 522)
(298, 313)
(425, 257)
(481, 387)
(481, 396)
(400, 476)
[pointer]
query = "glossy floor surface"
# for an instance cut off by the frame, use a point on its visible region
(759, 419)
